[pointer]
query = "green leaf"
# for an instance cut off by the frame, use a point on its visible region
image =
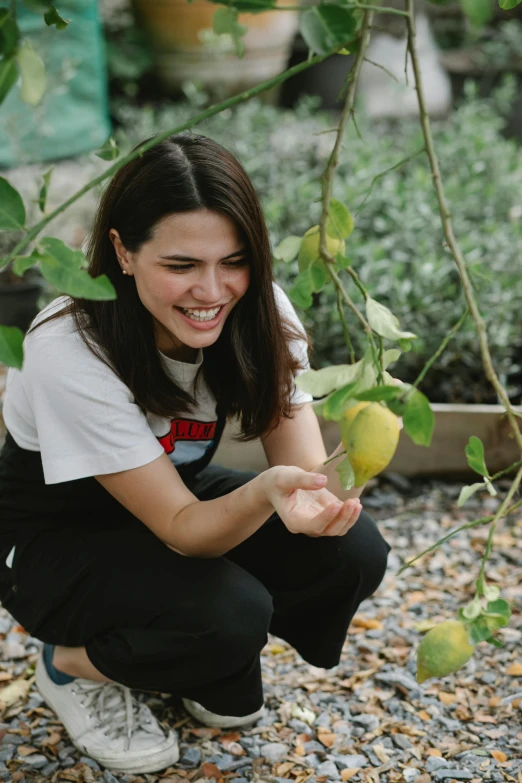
(318, 383)
(225, 22)
(508, 5)
(318, 274)
(9, 33)
(42, 196)
(335, 403)
(495, 642)
(405, 345)
(53, 17)
(108, 151)
(346, 475)
(473, 609)
(11, 350)
(251, 6)
(467, 491)
(12, 210)
(62, 267)
(499, 608)
(327, 27)
(491, 592)
(301, 291)
(342, 261)
(380, 393)
(479, 12)
(22, 263)
(389, 356)
(384, 322)
(8, 76)
(418, 418)
(478, 630)
(475, 456)
(32, 71)
(288, 249)
(340, 223)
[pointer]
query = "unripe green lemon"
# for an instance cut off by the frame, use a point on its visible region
(443, 650)
(348, 417)
(309, 248)
(371, 441)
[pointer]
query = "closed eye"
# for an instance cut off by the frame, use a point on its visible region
(230, 264)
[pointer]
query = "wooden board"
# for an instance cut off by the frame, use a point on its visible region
(454, 424)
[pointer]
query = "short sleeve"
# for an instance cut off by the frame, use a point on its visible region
(299, 348)
(85, 416)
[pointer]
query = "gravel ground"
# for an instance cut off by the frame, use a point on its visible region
(365, 720)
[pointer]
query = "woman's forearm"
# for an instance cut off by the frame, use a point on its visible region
(334, 483)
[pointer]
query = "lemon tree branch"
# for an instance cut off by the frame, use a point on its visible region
(448, 228)
(199, 118)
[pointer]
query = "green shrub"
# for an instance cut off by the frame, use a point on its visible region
(398, 246)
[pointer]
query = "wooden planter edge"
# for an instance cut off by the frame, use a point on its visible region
(454, 424)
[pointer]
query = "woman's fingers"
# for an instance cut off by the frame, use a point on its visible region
(344, 519)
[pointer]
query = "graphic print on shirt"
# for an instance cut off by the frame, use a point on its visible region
(189, 439)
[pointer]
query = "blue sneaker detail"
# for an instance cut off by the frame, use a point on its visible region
(58, 677)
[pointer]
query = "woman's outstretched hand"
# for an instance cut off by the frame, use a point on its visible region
(305, 505)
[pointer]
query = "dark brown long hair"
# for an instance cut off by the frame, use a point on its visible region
(250, 368)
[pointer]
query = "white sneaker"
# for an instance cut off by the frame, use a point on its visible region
(220, 721)
(106, 723)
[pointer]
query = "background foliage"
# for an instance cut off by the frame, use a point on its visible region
(397, 247)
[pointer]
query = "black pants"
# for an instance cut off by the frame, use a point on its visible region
(158, 621)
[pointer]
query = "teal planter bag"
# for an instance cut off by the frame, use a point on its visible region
(73, 116)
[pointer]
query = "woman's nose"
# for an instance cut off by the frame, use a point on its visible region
(208, 288)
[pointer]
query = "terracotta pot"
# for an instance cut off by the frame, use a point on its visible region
(177, 30)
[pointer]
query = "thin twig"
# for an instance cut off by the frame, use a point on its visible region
(448, 229)
(441, 348)
(466, 526)
(387, 171)
(383, 68)
(345, 325)
(199, 118)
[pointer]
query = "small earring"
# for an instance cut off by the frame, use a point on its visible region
(124, 271)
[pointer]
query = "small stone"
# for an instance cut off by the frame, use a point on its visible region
(329, 769)
(190, 758)
(274, 751)
(67, 761)
(323, 720)
(435, 762)
(108, 777)
(410, 774)
(314, 747)
(451, 774)
(50, 769)
(402, 741)
(13, 739)
(353, 760)
(36, 761)
(299, 726)
(90, 763)
(370, 722)
(7, 754)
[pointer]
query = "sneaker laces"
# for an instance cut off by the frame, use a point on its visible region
(115, 709)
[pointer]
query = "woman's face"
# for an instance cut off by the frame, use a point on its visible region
(189, 276)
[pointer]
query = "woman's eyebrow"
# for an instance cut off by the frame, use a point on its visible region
(177, 257)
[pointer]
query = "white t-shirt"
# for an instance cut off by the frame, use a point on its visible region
(73, 409)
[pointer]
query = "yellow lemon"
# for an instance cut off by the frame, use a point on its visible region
(443, 650)
(371, 441)
(309, 248)
(348, 417)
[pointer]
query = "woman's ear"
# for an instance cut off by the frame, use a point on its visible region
(122, 254)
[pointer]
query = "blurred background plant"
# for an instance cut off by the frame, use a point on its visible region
(397, 248)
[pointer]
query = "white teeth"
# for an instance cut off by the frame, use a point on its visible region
(201, 315)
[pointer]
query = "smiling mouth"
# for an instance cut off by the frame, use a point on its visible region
(201, 314)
